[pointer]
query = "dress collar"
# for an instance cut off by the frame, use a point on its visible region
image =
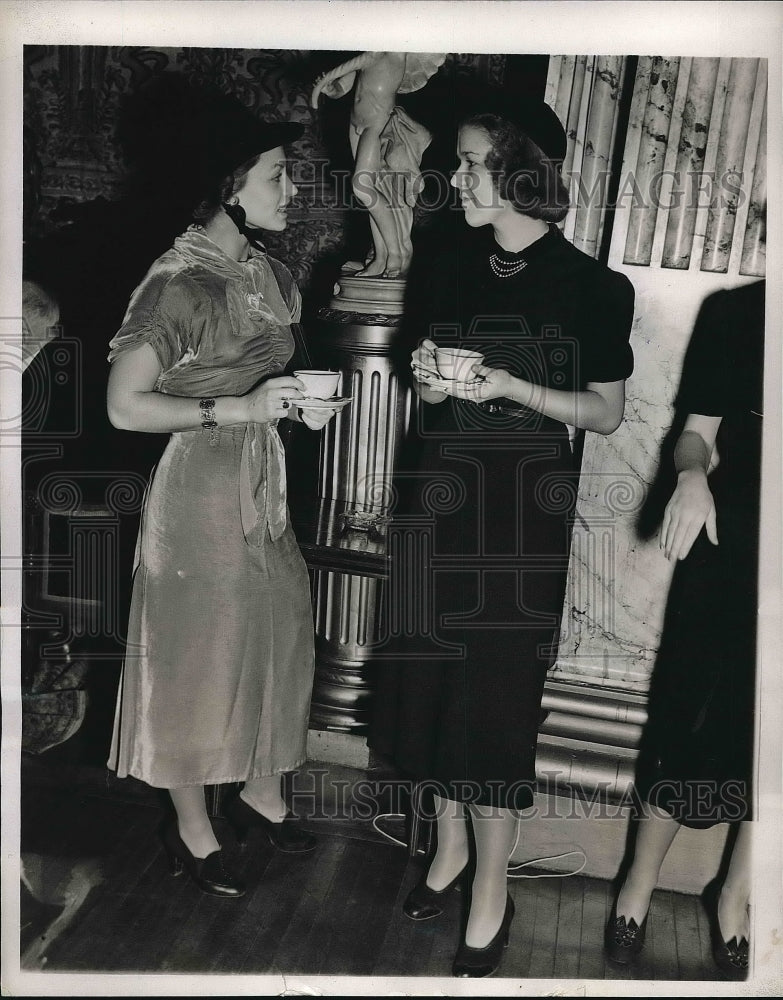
(197, 247)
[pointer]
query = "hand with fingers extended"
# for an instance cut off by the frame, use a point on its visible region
(690, 509)
(272, 399)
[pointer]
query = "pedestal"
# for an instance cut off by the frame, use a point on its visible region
(358, 334)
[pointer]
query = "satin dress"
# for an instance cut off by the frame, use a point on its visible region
(218, 671)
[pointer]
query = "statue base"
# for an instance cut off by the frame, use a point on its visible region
(368, 297)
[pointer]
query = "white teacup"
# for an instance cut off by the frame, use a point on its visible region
(318, 384)
(456, 363)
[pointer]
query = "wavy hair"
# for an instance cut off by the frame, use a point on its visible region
(521, 171)
(222, 190)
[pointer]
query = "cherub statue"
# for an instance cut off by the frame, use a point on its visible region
(387, 146)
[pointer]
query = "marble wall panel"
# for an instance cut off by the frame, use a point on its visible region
(618, 576)
(729, 163)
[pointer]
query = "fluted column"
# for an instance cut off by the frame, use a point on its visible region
(695, 127)
(585, 93)
(754, 246)
(729, 164)
(660, 77)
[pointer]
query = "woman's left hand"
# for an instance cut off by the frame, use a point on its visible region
(315, 419)
(486, 383)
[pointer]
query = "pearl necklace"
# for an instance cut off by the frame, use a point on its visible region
(504, 268)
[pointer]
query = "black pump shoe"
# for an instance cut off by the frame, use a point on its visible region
(208, 873)
(623, 940)
(478, 963)
(287, 836)
(423, 903)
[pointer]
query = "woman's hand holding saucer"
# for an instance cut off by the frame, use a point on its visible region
(315, 419)
(484, 384)
(423, 361)
(273, 399)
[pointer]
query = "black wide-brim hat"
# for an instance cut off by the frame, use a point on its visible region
(196, 133)
(533, 117)
(235, 135)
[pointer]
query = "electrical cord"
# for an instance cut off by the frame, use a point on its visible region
(553, 857)
(512, 869)
(383, 833)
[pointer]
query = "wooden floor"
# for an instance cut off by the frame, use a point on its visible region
(336, 911)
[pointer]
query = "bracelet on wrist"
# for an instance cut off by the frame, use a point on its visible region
(208, 422)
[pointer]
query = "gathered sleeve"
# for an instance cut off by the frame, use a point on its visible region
(606, 352)
(157, 315)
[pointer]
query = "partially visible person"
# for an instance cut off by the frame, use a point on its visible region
(696, 759)
(40, 315)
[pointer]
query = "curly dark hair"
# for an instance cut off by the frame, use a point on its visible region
(210, 204)
(522, 173)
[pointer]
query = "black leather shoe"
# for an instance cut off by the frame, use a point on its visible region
(287, 836)
(423, 903)
(208, 873)
(478, 963)
(731, 956)
(623, 940)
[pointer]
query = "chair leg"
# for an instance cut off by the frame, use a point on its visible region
(420, 828)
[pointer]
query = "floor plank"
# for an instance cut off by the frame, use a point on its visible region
(516, 962)
(293, 946)
(664, 941)
(408, 944)
(337, 911)
(569, 929)
(687, 939)
(595, 913)
(542, 957)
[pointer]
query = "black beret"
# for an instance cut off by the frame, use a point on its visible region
(534, 118)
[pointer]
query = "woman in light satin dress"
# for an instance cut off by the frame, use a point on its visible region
(218, 672)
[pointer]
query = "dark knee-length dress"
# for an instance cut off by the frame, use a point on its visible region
(697, 752)
(491, 490)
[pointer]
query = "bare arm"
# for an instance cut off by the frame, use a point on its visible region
(691, 506)
(133, 404)
(598, 408)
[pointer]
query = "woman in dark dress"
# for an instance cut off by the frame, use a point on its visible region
(697, 754)
(552, 325)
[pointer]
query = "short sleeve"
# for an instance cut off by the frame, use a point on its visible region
(706, 386)
(609, 306)
(154, 316)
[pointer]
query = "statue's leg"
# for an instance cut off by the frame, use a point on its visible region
(382, 224)
(403, 222)
(376, 263)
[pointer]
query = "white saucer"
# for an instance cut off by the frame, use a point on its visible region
(436, 382)
(312, 403)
